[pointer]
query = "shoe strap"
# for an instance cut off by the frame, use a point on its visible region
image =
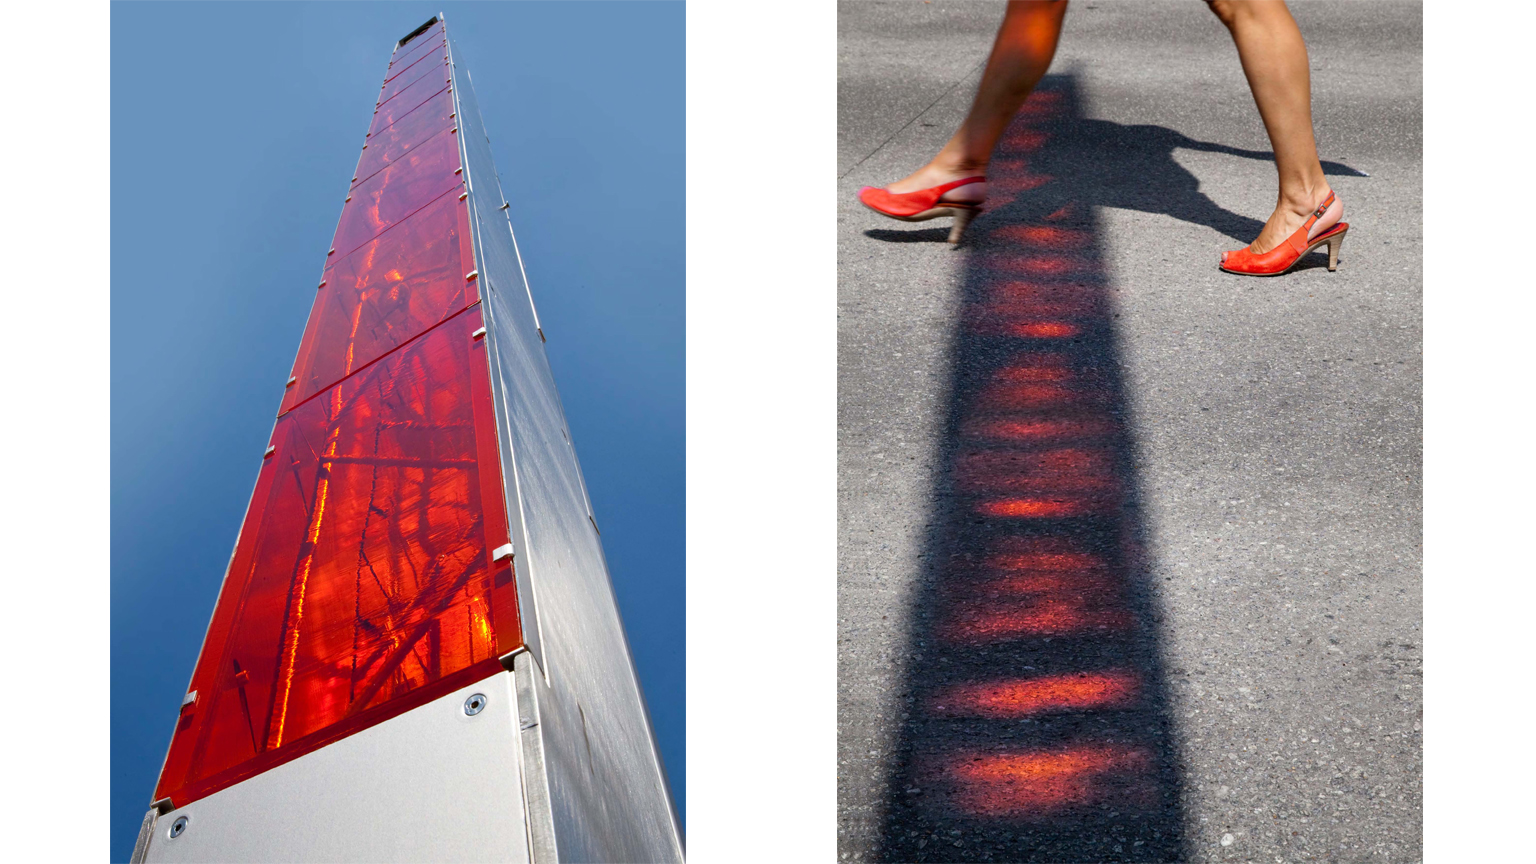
(956, 184)
(1299, 239)
(1318, 213)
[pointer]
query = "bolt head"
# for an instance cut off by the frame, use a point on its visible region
(179, 827)
(475, 704)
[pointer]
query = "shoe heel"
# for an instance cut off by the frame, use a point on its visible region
(1335, 243)
(962, 219)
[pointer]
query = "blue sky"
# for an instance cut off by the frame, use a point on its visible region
(235, 128)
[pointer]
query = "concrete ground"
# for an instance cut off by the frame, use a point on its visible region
(1264, 434)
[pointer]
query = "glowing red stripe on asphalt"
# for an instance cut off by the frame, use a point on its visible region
(1041, 783)
(1043, 330)
(1037, 430)
(1034, 508)
(1031, 696)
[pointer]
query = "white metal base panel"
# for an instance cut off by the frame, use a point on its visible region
(433, 784)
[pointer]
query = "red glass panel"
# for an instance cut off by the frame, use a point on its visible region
(390, 143)
(384, 294)
(403, 187)
(414, 50)
(409, 100)
(413, 60)
(362, 584)
(427, 69)
(433, 33)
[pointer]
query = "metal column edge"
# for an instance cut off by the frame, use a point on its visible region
(146, 830)
(542, 848)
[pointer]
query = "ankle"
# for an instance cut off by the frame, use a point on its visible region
(954, 160)
(966, 167)
(1303, 200)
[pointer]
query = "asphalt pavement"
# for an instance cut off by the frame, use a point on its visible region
(1203, 491)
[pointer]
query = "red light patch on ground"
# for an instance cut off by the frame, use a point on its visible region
(1035, 430)
(1034, 508)
(1046, 236)
(1042, 329)
(1071, 472)
(1032, 696)
(1038, 784)
(1033, 588)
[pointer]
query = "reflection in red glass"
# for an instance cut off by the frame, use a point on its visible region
(407, 101)
(1030, 696)
(363, 571)
(1043, 783)
(415, 50)
(429, 71)
(362, 583)
(403, 187)
(415, 59)
(390, 143)
(434, 32)
(384, 294)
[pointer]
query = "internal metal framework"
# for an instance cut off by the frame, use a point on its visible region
(420, 529)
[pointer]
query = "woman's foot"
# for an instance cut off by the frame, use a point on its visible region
(1291, 215)
(934, 174)
(1311, 233)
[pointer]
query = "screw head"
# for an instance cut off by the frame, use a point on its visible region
(178, 827)
(475, 704)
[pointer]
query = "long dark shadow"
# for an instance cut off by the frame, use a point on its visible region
(1037, 725)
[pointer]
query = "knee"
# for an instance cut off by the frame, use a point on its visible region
(1226, 10)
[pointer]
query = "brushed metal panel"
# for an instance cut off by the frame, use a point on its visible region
(541, 826)
(432, 784)
(608, 795)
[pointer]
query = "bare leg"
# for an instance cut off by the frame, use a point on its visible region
(1274, 59)
(1022, 52)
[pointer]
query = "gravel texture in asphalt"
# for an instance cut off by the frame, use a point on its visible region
(1129, 548)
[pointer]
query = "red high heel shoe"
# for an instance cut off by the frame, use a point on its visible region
(924, 204)
(1284, 257)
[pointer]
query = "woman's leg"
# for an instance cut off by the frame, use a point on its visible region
(1022, 52)
(1274, 59)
